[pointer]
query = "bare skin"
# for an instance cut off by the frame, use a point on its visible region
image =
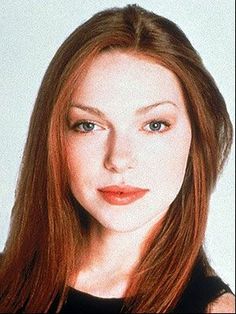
(110, 261)
(223, 304)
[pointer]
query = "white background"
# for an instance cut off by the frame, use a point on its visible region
(31, 31)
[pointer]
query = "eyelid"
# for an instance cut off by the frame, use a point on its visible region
(78, 121)
(161, 120)
(75, 115)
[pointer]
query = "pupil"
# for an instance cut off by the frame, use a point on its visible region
(155, 126)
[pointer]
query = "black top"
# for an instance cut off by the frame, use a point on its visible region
(199, 292)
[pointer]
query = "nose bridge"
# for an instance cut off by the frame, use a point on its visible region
(121, 143)
(120, 154)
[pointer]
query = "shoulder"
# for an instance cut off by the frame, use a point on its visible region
(206, 295)
(223, 304)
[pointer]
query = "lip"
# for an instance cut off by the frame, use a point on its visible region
(121, 195)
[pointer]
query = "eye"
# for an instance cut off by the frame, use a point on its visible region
(157, 126)
(85, 126)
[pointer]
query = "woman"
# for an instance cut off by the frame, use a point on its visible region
(127, 138)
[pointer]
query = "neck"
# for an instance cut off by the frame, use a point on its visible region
(117, 252)
(111, 257)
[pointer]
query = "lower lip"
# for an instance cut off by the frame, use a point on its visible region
(122, 199)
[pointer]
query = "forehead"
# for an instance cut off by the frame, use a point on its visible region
(127, 81)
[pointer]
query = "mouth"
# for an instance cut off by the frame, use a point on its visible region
(121, 195)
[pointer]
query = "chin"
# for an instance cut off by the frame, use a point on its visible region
(122, 228)
(128, 225)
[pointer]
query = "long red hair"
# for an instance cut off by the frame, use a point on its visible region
(49, 229)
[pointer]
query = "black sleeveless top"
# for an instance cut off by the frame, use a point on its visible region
(199, 292)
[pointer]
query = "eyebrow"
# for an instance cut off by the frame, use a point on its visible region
(139, 111)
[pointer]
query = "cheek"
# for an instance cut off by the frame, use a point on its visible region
(84, 160)
(166, 162)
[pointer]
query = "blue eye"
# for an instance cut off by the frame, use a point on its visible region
(157, 126)
(87, 126)
(84, 126)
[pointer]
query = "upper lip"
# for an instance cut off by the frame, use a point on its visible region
(121, 189)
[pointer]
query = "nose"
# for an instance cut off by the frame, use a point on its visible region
(120, 155)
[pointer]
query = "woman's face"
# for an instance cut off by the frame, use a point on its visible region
(127, 126)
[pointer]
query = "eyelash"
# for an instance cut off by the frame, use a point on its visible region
(75, 126)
